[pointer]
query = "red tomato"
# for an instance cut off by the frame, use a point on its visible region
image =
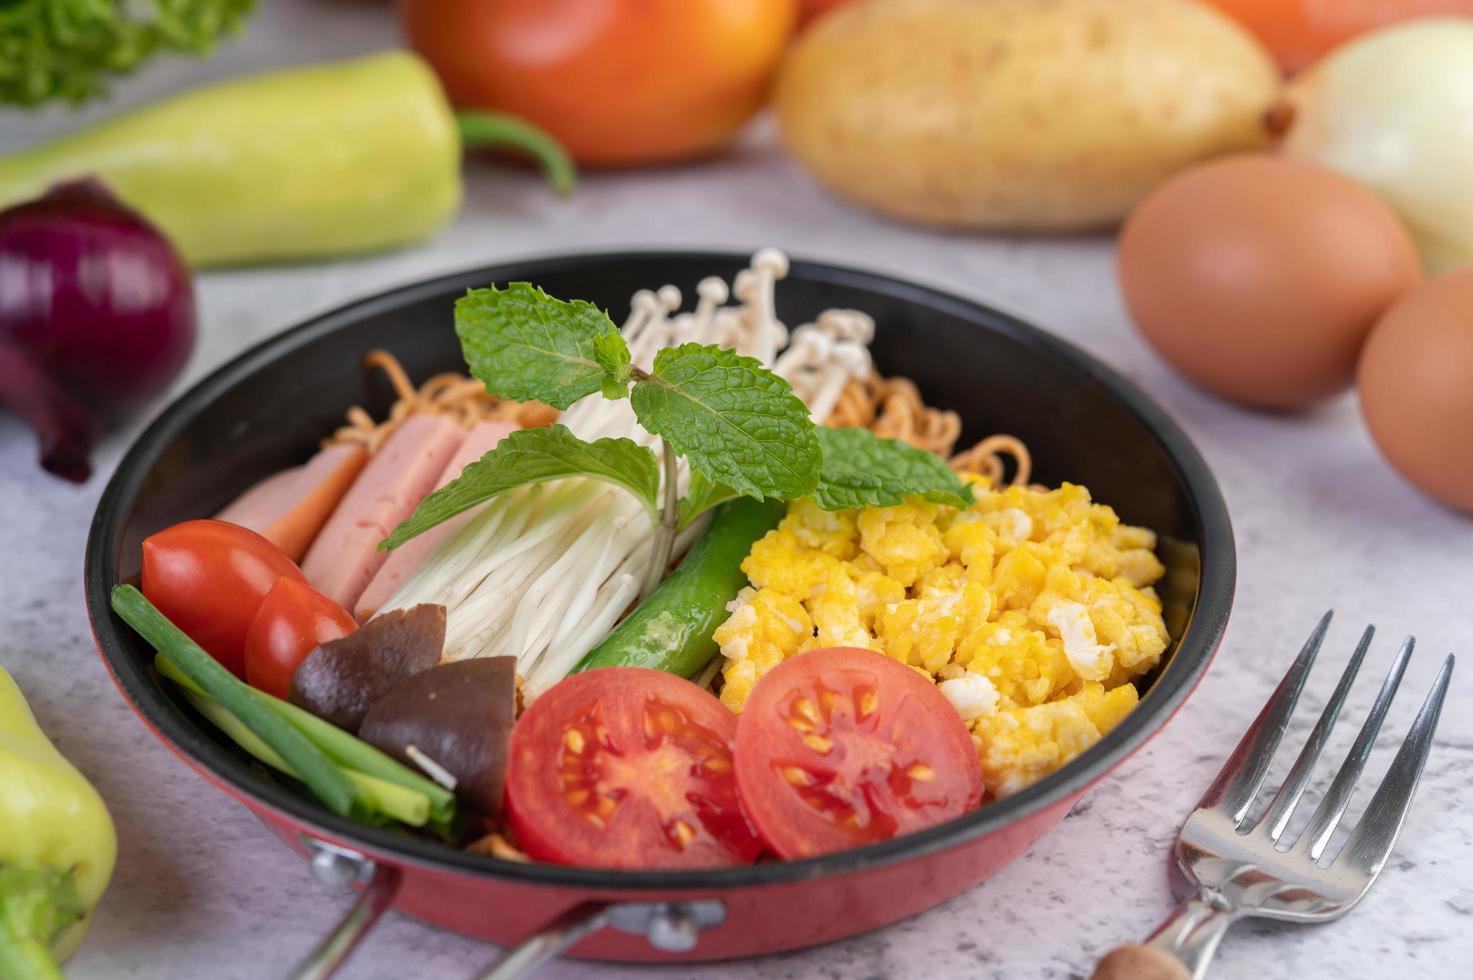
(839, 748)
(209, 578)
(625, 767)
(294, 620)
(1298, 32)
(616, 81)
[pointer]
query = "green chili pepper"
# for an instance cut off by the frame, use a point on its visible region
(57, 846)
(297, 164)
(671, 630)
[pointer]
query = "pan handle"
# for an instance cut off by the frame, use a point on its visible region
(340, 868)
(670, 926)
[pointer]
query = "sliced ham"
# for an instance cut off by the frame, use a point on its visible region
(405, 560)
(290, 507)
(345, 556)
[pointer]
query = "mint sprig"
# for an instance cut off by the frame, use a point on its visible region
(738, 425)
(525, 345)
(535, 456)
(862, 470)
(734, 421)
(701, 496)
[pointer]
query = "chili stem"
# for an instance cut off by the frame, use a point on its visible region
(669, 519)
(26, 957)
(496, 130)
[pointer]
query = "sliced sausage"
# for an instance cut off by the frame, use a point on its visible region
(290, 507)
(345, 556)
(405, 560)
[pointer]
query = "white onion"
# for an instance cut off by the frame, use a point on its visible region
(1394, 111)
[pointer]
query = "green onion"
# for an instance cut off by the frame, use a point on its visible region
(325, 780)
(380, 796)
(356, 756)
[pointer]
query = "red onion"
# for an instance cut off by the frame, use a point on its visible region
(96, 317)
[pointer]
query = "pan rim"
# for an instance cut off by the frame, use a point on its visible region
(1194, 652)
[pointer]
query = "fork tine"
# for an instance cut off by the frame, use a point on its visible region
(1242, 775)
(1327, 815)
(1288, 796)
(1371, 842)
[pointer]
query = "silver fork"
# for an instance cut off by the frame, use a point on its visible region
(1246, 868)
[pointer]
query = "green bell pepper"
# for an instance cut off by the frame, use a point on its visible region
(297, 164)
(57, 846)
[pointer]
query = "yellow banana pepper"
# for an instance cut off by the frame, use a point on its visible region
(57, 846)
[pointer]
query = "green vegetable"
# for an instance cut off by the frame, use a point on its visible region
(530, 346)
(534, 456)
(379, 796)
(57, 846)
(734, 421)
(66, 49)
(701, 496)
(388, 787)
(671, 630)
(326, 781)
(862, 470)
(37, 905)
(295, 164)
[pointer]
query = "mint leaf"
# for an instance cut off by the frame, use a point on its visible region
(862, 470)
(534, 456)
(612, 354)
(701, 497)
(525, 345)
(734, 421)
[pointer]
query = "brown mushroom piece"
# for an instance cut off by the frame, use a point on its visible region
(457, 718)
(340, 679)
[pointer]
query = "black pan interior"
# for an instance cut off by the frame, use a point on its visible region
(267, 410)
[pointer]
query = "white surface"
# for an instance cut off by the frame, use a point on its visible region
(202, 889)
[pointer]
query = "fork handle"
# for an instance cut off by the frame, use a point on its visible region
(1135, 962)
(1179, 950)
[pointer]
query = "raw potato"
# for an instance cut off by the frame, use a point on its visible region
(1019, 114)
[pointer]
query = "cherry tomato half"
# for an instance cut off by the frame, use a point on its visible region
(1299, 32)
(209, 578)
(840, 747)
(625, 767)
(616, 81)
(294, 620)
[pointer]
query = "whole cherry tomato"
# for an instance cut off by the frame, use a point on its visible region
(209, 578)
(294, 620)
(616, 81)
(1298, 32)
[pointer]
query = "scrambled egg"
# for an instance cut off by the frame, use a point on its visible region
(1032, 610)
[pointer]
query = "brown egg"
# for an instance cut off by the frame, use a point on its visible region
(1416, 387)
(1259, 277)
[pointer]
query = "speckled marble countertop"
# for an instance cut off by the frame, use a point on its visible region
(203, 890)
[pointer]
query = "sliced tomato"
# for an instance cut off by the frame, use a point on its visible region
(210, 578)
(625, 767)
(294, 619)
(840, 747)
